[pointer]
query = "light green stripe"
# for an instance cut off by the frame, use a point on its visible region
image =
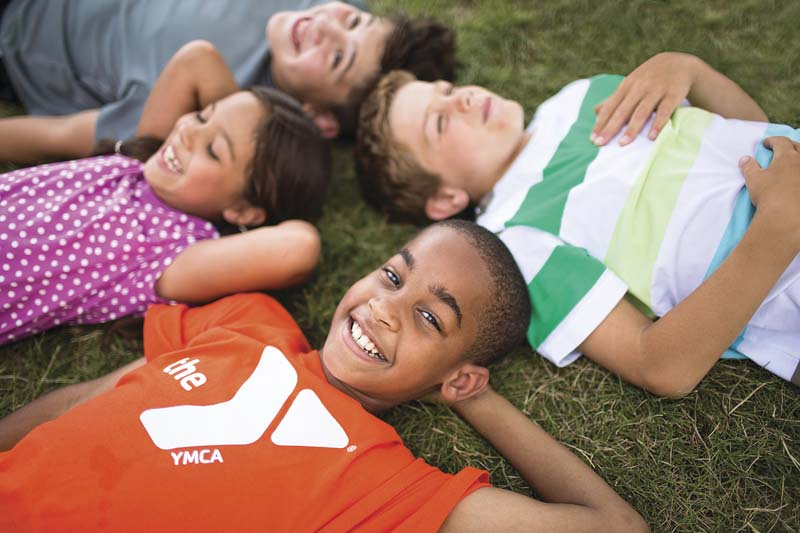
(543, 206)
(642, 224)
(567, 275)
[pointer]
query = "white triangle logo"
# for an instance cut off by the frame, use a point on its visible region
(308, 423)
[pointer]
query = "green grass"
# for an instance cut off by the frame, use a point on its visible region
(725, 458)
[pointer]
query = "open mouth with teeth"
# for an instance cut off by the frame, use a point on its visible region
(365, 342)
(171, 160)
(298, 31)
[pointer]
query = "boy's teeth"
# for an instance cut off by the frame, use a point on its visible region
(365, 342)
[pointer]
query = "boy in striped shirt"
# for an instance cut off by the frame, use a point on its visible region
(610, 236)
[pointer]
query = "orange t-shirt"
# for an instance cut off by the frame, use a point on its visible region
(231, 426)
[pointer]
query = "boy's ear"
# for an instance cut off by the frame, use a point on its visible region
(245, 214)
(467, 380)
(326, 121)
(446, 202)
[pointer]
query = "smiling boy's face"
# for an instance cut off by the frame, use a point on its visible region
(468, 136)
(398, 333)
(320, 54)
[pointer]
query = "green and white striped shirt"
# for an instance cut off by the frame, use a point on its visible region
(653, 219)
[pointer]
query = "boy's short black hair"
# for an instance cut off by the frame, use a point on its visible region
(503, 323)
(420, 45)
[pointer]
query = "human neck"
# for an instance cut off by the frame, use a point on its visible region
(480, 193)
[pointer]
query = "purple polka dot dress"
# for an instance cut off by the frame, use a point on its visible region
(84, 242)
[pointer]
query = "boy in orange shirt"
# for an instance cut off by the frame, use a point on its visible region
(232, 422)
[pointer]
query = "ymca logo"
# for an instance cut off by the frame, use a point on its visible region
(244, 418)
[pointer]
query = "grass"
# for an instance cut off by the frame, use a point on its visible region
(726, 457)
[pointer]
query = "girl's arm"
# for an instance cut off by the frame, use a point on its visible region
(670, 356)
(659, 85)
(575, 498)
(269, 257)
(194, 77)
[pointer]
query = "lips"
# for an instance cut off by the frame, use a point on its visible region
(361, 344)
(298, 31)
(487, 109)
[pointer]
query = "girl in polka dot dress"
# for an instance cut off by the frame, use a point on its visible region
(96, 239)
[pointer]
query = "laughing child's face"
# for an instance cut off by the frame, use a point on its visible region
(403, 331)
(201, 169)
(320, 54)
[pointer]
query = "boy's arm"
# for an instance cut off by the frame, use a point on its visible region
(659, 85)
(576, 498)
(194, 77)
(51, 405)
(670, 356)
(28, 140)
(268, 257)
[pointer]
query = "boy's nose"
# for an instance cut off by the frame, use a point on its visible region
(382, 314)
(327, 30)
(460, 100)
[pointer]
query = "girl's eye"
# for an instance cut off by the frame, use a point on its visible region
(354, 22)
(337, 59)
(200, 118)
(440, 124)
(392, 277)
(448, 90)
(432, 319)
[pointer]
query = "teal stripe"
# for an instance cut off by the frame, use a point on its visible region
(543, 206)
(565, 278)
(743, 212)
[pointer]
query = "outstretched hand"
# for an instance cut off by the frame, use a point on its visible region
(658, 85)
(775, 190)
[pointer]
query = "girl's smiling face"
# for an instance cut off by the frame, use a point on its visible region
(202, 167)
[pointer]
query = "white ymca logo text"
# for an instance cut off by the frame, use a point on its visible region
(196, 457)
(185, 371)
(242, 419)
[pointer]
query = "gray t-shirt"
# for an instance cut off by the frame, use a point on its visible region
(65, 56)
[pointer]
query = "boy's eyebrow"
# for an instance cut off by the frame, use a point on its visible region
(448, 299)
(408, 258)
(437, 290)
(230, 145)
(352, 60)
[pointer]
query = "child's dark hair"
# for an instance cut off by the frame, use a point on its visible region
(291, 164)
(423, 46)
(504, 321)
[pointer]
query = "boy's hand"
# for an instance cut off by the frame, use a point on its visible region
(776, 190)
(657, 85)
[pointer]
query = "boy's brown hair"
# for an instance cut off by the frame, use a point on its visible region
(419, 45)
(390, 177)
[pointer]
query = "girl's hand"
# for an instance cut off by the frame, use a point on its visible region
(658, 85)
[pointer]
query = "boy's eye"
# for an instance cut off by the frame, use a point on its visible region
(200, 118)
(448, 90)
(211, 153)
(440, 124)
(337, 59)
(431, 319)
(392, 277)
(354, 22)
